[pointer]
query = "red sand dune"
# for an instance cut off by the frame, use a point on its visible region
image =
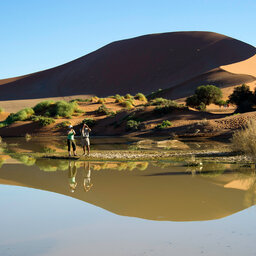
(178, 62)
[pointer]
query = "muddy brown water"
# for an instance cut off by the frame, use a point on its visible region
(53, 207)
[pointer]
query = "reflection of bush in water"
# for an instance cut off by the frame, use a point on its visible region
(49, 165)
(27, 160)
(213, 169)
(1, 162)
(250, 195)
(142, 166)
(163, 165)
(48, 150)
(120, 166)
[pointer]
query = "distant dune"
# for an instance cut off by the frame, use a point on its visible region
(176, 62)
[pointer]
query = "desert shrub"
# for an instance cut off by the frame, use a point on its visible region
(21, 115)
(89, 121)
(103, 110)
(63, 108)
(63, 124)
(164, 124)
(244, 140)
(168, 108)
(127, 104)
(42, 120)
(94, 99)
(80, 100)
(48, 150)
(155, 94)
(3, 124)
(141, 97)
(162, 101)
(112, 114)
(79, 111)
(101, 100)
(243, 98)
(58, 109)
(42, 107)
(132, 125)
(128, 96)
(119, 99)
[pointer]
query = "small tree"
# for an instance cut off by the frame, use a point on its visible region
(204, 95)
(192, 101)
(243, 98)
(208, 94)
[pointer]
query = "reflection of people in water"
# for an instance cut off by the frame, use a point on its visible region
(72, 176)
(87, 177)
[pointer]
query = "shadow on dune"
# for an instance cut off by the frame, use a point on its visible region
(144, 64)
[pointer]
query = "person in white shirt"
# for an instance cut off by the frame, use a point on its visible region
(85, 141)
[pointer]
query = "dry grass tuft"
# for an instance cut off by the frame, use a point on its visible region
(244, 140)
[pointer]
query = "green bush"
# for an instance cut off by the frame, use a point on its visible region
(3, 124)
(155, 94)
(42, 107)
(168, 108)
(141, 97)
(243, 98)
(127, 104)
(128, 96)
(63, 108)
(42, 120)
(205, 94)
(60, 108)
(80, 100)
(162, 101)
(132, 125)
(119, 99)
(1, 110)
(94, 99)
(101, 100)
(63, 124)
(21, 115)
(103, 110)
(89, 121)
(79, 111)
(164, 124)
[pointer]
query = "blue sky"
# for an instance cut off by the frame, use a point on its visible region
(40, 34)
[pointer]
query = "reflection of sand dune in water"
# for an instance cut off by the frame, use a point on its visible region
(131, 193)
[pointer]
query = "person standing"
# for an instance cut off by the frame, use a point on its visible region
(85, 141)
(71, 140)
